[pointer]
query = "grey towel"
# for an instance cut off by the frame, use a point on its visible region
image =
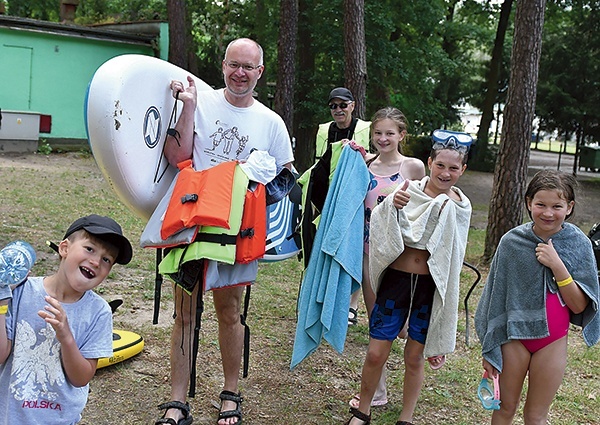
(513, 302)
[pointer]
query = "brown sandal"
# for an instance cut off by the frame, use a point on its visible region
(359, 415)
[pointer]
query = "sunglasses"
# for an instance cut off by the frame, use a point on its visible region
(490, 398)
(334, 106)
(446, 139)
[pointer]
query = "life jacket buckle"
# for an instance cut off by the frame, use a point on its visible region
(189, 197)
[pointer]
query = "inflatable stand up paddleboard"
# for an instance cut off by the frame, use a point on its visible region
(128, 110)
(126, 344)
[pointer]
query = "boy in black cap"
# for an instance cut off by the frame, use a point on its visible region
(54, 329)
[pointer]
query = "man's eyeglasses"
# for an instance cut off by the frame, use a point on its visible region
(334, 106)
(246, 67)
(446, 139)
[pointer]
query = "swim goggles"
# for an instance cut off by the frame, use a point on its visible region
(490, 397)
(447, 139)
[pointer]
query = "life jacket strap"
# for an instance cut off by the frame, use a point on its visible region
(221, 239)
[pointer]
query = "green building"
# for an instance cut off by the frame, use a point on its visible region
(45, 69)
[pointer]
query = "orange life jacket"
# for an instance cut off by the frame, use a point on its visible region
(251, 241)
(200, 198)
(243, 242)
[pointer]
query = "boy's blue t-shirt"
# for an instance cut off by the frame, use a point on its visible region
(33, 386)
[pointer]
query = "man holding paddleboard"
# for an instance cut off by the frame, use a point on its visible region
(215, 127)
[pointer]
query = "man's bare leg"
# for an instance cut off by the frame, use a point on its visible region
(227, 303)
(181, 346)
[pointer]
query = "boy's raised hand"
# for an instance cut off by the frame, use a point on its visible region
(401, 196)
(55, 315)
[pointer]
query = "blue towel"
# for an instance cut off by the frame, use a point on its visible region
(335, 267)
(513, 302)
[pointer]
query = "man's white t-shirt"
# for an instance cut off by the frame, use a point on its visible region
(224, 132)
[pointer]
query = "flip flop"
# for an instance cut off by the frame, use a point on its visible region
(352, 317)
(374, 403)
(439, 359)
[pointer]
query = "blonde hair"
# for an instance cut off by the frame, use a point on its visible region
(394, 114)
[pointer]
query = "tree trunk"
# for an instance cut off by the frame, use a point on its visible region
(286, 54)
(510, 177)
(178, 52)
(191, 46)
(304, 129)
(356, 54)
(259, 35)
(491, 90)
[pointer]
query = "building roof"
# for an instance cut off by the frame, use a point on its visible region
(145, 38)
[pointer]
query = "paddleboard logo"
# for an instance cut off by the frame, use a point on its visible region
(152, 127)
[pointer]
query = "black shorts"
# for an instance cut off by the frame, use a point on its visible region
(400, 291)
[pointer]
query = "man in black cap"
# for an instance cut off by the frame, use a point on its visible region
(344, 126)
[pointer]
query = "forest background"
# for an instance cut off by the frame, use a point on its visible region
(426, 58)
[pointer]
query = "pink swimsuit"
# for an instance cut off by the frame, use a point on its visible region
(379, 188)
(558, 324)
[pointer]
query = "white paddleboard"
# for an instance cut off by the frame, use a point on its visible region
(128, 106)
(127, 112)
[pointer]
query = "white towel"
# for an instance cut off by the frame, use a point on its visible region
(439, 225)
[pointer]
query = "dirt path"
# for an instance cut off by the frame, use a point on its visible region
(478, 187)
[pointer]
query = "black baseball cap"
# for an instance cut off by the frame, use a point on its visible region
(106, 229)
(341, 93)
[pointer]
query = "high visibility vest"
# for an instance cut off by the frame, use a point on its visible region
(361, 136)
(315, 184)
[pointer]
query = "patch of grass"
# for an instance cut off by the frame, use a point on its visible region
(554, 146)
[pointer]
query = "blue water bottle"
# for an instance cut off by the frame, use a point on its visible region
(16, 260)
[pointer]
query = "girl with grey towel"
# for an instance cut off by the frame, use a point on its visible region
(543, 277)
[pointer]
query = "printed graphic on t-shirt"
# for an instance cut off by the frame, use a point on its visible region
(36, 373)
(226, 142)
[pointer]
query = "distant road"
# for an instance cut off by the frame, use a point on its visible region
(541, 159)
